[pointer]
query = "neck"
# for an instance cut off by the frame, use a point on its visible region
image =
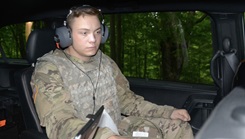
(82, 58)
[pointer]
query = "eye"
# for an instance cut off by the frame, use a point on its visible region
(98, 31)
(83, 33)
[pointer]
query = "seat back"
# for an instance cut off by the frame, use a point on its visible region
(39, 42)
(223, 71)
(239, 79)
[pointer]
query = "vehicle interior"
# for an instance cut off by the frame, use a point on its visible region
(186, 54)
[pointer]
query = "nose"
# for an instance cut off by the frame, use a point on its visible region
(92, 37)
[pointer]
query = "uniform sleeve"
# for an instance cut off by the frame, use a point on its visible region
(53, 104)
(133, 104)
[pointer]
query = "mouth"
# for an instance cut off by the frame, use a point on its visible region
(91, 48)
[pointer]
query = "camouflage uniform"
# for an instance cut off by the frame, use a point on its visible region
(63, 89)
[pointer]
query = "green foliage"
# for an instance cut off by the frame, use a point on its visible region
(174, 46)
(12, 40)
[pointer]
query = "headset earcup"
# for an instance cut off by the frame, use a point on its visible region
(105, 33)
(64, 36)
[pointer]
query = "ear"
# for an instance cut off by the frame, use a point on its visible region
(63, 36)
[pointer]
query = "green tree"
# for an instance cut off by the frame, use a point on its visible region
(167, 46)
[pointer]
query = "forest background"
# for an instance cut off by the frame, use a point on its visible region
(170, 46)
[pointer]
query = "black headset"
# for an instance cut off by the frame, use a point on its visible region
(63, 35)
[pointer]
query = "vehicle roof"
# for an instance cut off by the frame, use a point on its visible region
(15, 11)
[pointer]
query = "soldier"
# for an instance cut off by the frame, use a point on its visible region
(75, 80)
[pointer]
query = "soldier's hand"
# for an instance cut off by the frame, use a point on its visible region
(181, 114)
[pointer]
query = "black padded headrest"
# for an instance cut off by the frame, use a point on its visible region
(39, 42)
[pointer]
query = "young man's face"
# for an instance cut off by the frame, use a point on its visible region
(86, 37)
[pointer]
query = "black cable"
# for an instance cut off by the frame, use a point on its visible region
(94, 87)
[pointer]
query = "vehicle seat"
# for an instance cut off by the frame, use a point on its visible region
(223, 72)
(239, 79)
(40, 41)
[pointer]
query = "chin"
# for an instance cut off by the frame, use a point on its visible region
(92, 53)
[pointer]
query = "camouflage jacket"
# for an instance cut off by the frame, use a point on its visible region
(64, 88)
